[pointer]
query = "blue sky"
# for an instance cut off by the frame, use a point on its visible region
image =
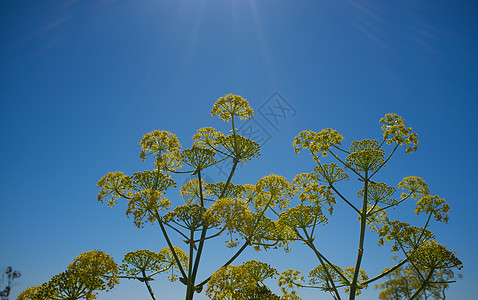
(83, 81)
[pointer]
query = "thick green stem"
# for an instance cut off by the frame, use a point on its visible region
(363, 223)
(146, 281)
(423, 286)
(190, 281)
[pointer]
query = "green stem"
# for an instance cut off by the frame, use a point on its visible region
(347, 165)
(191, 280)
(146, 281)
(329, 277)
(343, 198)
(234, 135)
(387, 272)
(317, 253)
(363, 223)
(338, 148)
(384, 162)
(423, 286)
(244, 246)
(247, 243)
(170, 245)
(370, 213)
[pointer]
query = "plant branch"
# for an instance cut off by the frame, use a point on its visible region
(146, 281)
(385, 161)
(424, 284)
(363, 223)
(386, 272)
(168, 241)
(343, 198)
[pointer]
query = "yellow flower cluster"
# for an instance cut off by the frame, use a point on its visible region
(319, 142)
(242, 282)
(169, 258)
(434, 205)
(31, 293)
(261, 230)
(144, 192)
(365, 155)
(228, 213)
(164, 146)
(144, 204)
(220, 190)
(239, 147)
(275, 190)
(198, 158)
(141, 262)
(229, 283)
(96, 264)
(248, 193)
(379, 192)
(376, 217)
(288, 281)
(90, 272)
(154, 180)
(191, 192)
(302, 216)
(235, 145)
(318, 275)
(235, 216)
(309, 189)
(433, 255)
(416, 187)
(114, 185)
(404, 235)
(395, 131)
(191, 215)
(329, 173)
(232, 105)
(208, 138)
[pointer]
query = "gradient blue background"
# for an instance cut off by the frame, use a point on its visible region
(83, 81)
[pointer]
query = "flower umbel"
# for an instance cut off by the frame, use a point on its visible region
(232, 105)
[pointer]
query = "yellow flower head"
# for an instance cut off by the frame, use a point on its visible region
(232, 105)
(208, 138)
(164, 146)
(319, 142)
(433, 255)
(395, 131)
(275, 188)
(242, 282)
(96, 265)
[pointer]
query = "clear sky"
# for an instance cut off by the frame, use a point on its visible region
(83, 81)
